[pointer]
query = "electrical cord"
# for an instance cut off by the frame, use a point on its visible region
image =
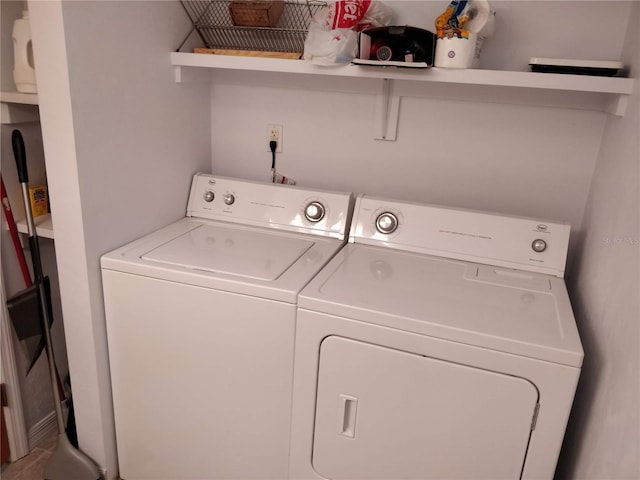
(272, 146)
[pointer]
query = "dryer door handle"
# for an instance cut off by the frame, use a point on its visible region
(348, 408)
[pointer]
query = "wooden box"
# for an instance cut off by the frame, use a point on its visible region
(256, 13)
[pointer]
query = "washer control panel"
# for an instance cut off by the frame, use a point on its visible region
(270, 205)
(481, 237)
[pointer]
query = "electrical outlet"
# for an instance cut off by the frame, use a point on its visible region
(274, 132)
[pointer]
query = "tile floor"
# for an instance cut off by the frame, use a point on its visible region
(31, 466)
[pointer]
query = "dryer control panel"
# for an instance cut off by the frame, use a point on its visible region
(270, 205)
(480, 237)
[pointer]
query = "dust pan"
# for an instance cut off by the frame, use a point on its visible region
(66, 462)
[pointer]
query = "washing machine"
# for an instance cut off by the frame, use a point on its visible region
(439, 343)
(200, 319)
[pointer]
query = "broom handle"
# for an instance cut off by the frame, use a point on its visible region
(23, 177)
(13, 229)
(21, 165)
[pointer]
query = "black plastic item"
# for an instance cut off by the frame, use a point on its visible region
(20, 155)
(26, 317)
(571, 66)
(571, 70)
(401, 44)
(24, 310)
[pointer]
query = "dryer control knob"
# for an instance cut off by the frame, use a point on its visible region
(208, 196)
(387, 223)
(229, 198)
(539, 245)
(314, 211)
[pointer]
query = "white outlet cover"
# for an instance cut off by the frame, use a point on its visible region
(274, 128)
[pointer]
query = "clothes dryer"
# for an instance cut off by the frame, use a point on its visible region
(200, 319)
(438, 344)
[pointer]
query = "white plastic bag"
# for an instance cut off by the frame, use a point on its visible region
(331, 47)
(333, 33)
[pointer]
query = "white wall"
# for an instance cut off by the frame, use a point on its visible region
(122, 141)
(534, 161)
(9, 11)
(603, 439)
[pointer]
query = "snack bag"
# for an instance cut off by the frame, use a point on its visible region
(347, 14)
(451, 22)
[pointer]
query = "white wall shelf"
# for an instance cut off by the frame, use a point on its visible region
(16, 107)
(198, 67)
(18, 97)
(44, 226)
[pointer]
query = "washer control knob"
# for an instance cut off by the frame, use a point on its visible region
(208, 196)
(387, 223)
(539, 245)
(229, 198)
(314, 211)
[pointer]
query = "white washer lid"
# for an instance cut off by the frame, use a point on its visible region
(502, 309)
(262, 262)
(231, 250)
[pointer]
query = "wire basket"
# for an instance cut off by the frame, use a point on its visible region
(212, 20)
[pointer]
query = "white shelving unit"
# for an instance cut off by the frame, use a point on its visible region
(614, 91)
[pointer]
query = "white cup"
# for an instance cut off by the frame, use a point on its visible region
(457, 52)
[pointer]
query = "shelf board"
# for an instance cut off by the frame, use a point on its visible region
(16, 107)
(18, 97)
(44, 226)
(608, 94)
(499, 78)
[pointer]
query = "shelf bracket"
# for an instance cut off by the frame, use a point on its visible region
(387, 111)
(184, 74)
(618, 105)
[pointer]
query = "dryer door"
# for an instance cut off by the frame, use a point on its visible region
(384, 413)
